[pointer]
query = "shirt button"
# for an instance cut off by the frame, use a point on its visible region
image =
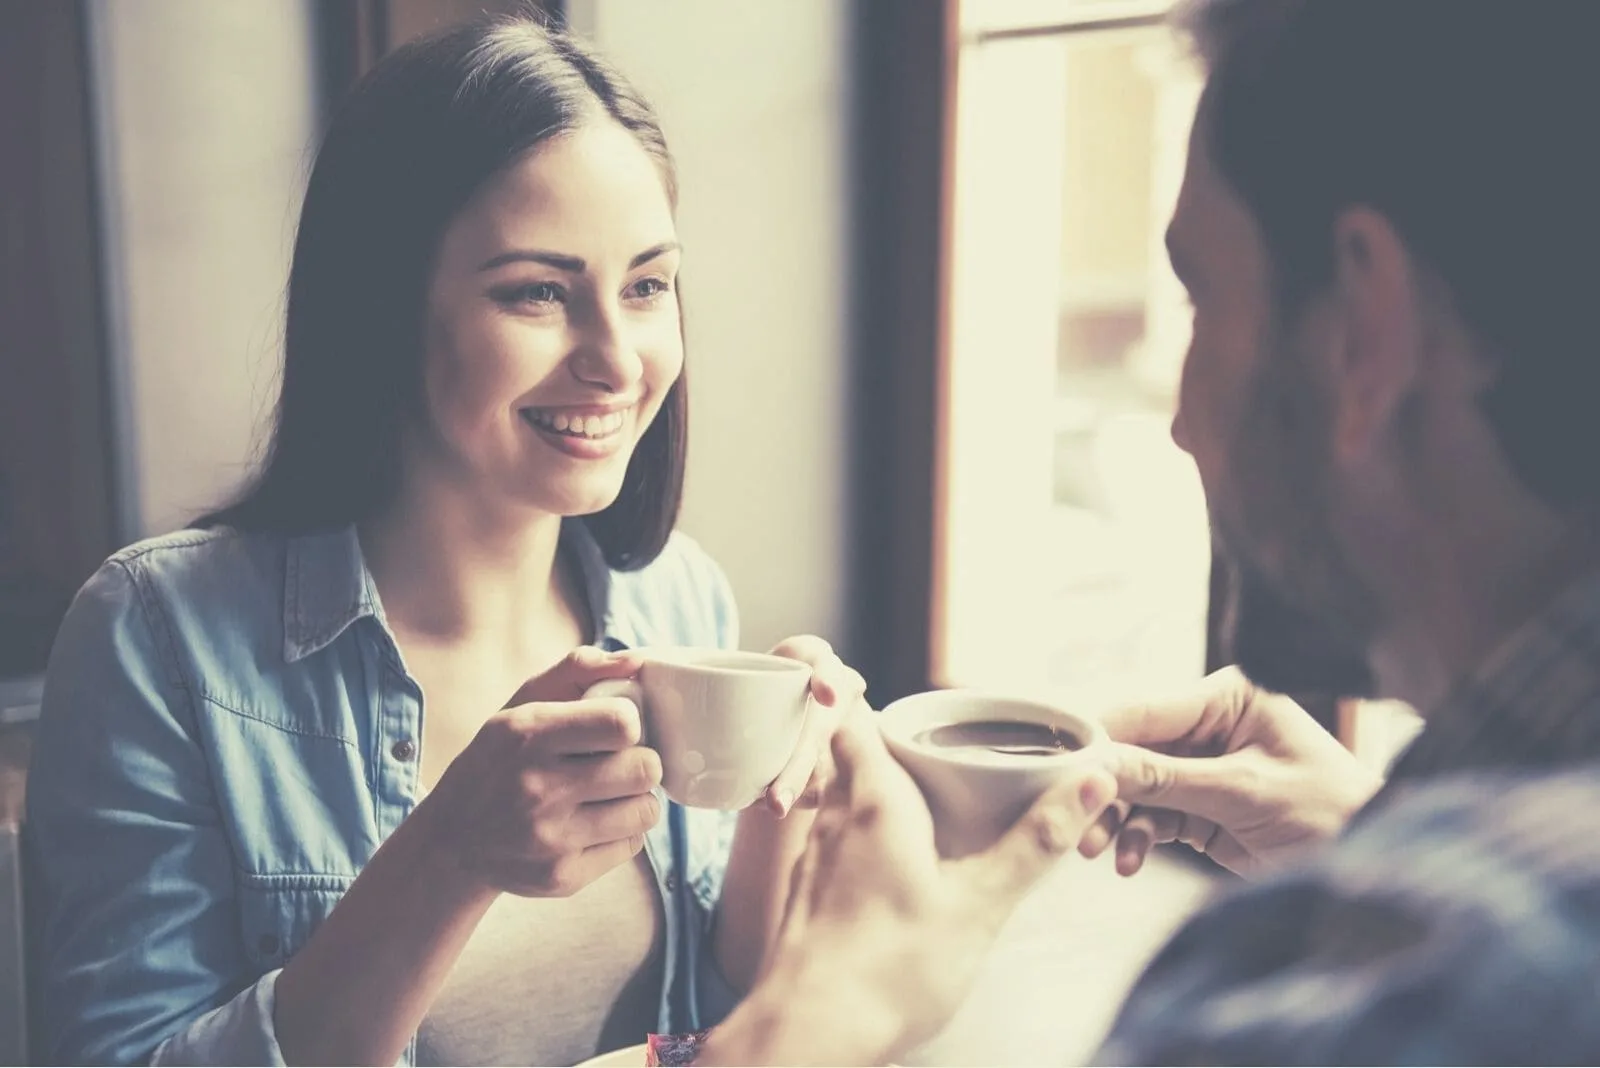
(672, 883)
(268, 945)
(404, 750)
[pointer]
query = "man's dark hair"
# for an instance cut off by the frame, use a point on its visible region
(420, 134)
(1472, 126)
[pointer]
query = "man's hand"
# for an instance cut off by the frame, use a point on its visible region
(881, 939)
(1244, 776)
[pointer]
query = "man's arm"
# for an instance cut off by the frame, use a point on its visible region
(1460, 924)
(881, 939)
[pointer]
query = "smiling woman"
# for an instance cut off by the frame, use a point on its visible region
(430, 221)
(346, 800)
(565, 262)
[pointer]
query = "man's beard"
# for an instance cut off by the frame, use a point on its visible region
(1303, 626)
(1284, 648)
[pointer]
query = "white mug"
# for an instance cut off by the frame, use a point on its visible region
(724, 722)
(977, 793)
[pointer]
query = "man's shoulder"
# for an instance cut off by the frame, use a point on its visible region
(1404, 942)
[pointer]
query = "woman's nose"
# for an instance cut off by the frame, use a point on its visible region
(604, 355)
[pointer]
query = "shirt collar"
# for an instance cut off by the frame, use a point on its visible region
(327, 587)
(1534, 702)
(598, 585)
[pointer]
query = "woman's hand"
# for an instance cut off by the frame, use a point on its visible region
(555, 790)
(552, 792)
(836, 688)
(766, 844)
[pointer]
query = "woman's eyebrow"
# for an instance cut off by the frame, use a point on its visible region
(651, 253)
(571, 264)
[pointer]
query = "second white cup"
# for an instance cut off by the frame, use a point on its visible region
(981, 759)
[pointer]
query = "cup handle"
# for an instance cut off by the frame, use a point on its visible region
(628, 688)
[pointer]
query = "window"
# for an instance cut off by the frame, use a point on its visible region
(1074, 546)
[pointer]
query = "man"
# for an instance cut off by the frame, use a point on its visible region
(1389, 230)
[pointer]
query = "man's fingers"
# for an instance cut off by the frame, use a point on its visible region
(1054, 825)
(1104, 830)
(576, 672)
(1146, 828)
(1211, 707)
(1212, 787)
(1143, 830)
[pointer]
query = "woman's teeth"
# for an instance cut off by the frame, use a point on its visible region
(578, 426)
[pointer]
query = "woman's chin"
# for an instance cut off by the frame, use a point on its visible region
(579, 499)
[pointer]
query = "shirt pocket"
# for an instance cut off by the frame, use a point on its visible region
(278, 914)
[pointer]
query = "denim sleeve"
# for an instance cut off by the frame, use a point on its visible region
(135, 946)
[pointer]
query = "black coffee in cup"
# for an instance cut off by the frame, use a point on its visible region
(1010, 737)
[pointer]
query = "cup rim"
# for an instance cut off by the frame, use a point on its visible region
(695, 657)
(892, 725)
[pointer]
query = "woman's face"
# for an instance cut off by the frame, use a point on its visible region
(552, 331)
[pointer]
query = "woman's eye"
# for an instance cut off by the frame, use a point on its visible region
(648, 288)
(533, 293)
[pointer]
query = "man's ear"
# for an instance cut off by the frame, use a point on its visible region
(1377, 356)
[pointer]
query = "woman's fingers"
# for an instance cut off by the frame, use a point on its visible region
(833, 682)
(608, 776)
(600, 822)
(575, 673)
(597, 725)
(835, 688)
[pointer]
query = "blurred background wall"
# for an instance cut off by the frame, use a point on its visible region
(206, 115)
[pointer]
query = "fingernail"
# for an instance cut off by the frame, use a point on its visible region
(784, 799)
(1097, 791)
(1130, 852)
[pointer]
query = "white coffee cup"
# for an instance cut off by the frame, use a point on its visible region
(976, 793)
(724, 722)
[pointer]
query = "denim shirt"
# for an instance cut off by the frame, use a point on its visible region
(227, 734)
